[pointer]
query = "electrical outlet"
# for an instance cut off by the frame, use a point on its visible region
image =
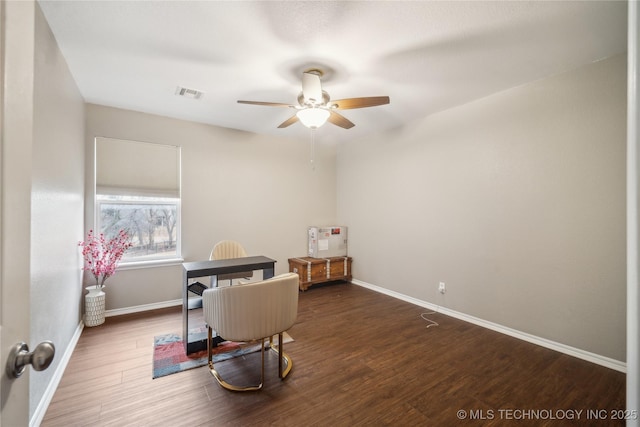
(442, 288)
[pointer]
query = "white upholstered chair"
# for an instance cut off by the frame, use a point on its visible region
(252, 311)
(227, 249)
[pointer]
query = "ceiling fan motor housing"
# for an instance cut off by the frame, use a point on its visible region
(307, 103)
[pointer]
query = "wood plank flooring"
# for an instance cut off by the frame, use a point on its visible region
(360, 358)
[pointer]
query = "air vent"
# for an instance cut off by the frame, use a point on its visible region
(189, 93)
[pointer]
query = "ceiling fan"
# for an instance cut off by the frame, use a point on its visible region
(315, 107)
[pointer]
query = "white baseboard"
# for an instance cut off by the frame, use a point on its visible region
(144, 307)
(42, 407)
(562, 348)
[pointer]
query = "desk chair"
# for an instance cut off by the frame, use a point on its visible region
(252, 311)
(229, 249)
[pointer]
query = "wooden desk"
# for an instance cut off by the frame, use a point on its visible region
(190, 270)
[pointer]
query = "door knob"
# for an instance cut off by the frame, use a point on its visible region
(19, 357)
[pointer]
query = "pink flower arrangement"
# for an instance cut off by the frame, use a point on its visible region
(101, 256)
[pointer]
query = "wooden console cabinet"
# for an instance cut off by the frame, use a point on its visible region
(320, 270)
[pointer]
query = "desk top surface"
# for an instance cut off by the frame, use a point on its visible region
(231, 265)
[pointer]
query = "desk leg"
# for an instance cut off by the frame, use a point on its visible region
(197, 340)
(267, 273)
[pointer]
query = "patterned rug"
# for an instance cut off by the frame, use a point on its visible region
(169, 356)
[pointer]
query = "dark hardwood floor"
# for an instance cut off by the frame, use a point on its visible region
(360, 358)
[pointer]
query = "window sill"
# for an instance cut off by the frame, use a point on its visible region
(133, 265)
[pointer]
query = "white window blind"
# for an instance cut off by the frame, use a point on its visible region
(133, 168)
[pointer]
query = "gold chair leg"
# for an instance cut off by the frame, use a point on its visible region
(279, 349)
(281, 355)
(262, 360)
(217, 376)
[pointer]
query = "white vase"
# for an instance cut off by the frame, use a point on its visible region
(94, 303)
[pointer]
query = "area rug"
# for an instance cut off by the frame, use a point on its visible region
(169, 356)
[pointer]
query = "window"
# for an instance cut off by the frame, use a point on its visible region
(137, 189)
(151, 222)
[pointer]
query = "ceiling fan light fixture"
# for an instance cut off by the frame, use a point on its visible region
(313, 118)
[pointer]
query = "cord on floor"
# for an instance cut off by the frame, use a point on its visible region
(431, 322)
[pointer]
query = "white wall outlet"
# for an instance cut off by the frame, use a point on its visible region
(442, 288)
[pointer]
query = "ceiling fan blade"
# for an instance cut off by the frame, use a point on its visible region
(291, 120)
(267, 104)
(349, 103)
(340, 120)
(311, 88)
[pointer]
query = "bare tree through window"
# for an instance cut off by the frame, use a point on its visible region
(152, 226)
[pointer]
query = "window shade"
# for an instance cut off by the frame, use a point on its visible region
(136, 168)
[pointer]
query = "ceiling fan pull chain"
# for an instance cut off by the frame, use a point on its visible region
(313, 149)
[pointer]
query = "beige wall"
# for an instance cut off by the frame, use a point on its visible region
(515, 201)
(57, 203)
(259, 190)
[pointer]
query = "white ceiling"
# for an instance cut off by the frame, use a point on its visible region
(426, 55)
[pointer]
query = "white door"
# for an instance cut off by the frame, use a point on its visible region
(17, 21)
